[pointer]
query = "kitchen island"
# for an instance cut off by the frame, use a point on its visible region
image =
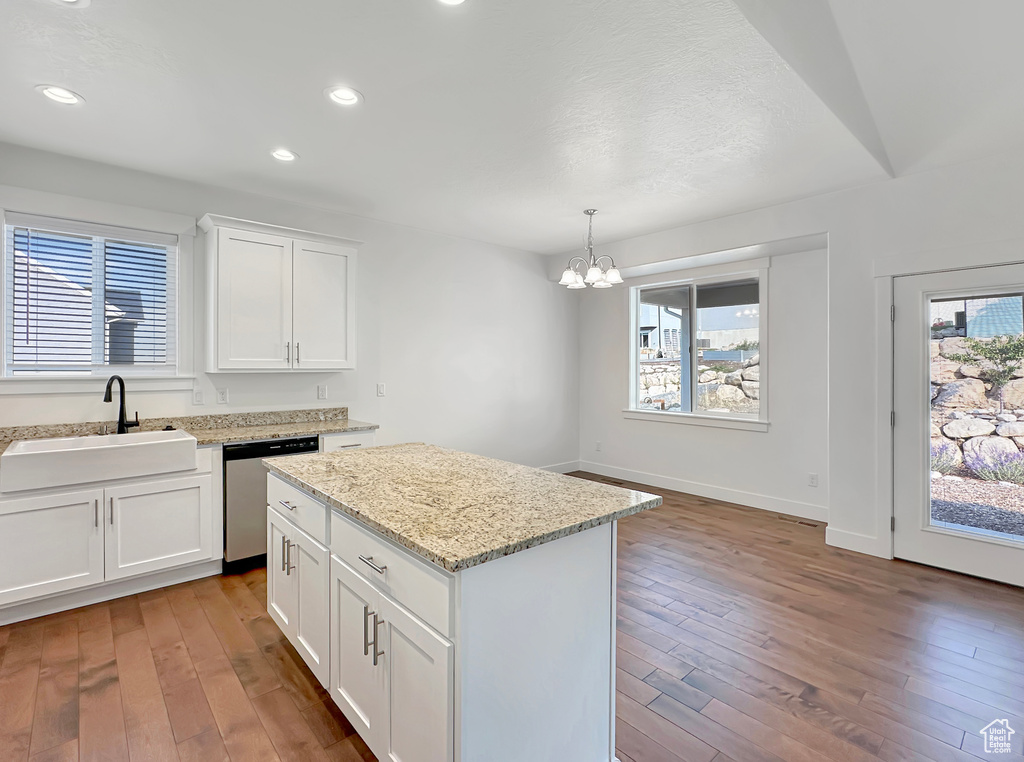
(457, 608)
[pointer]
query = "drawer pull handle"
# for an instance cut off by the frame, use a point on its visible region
(288, 556)
(287, 505)
(369, 562)
(377, 622)
(284, 558)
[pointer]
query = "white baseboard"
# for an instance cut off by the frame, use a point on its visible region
(860, 543)
(563, 468)
(107, 591)
(749, 499)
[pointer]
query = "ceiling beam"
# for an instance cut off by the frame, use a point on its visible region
(805, 34)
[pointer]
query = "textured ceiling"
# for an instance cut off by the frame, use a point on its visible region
(495, 121)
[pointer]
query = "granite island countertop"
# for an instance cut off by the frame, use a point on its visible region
(278, 431)
(455, 509)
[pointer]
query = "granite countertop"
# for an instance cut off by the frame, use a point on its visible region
(455, 509)
(211, 429)
(278, 431)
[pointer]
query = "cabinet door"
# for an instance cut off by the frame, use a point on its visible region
(280, 582)
(311, 569)
(357, 685)
(158, 525)
(52, 544)
(254, 301)
(420, 689)
(323, 288)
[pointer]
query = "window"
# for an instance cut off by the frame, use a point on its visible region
(82, 299)
(697, 347)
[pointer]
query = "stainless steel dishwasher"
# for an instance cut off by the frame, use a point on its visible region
(245, 494)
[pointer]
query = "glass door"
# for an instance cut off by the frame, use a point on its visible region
(959, 424)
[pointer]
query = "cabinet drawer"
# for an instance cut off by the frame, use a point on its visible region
(346, 441)
(417, 586)
(304, 511)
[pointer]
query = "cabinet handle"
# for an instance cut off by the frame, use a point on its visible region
(377, 622)
(111, 511)
(284, 558)
(287, 505)
(291, 566)
(369, 562)
(298, 360)
(96, 513)
(288, 352)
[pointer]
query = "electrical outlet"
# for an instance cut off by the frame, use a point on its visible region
(812, 480)
(380, 390)
(321, 391)
(597, 446)
(222, 396)
(197, 397)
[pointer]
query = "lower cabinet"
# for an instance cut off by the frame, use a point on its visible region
(53, 543)
(298, 568)
(157, 525)
(391, 674)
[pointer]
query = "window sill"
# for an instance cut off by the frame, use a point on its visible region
(22, 386)
(696, 419)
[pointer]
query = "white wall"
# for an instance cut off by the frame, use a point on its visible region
(910, 221)
(763, 469)
(471, 339)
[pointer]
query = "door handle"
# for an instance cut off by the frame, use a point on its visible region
(111, 511)
(96, 513)
(298, 357)
(288, 352)
(288, 556)
(369, 562)
(377, 622)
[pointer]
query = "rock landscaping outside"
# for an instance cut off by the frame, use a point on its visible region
(726, 387)
(977, 436)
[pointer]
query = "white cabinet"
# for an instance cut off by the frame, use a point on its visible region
(158, 525)
(346, 440)
(254, 300)
(278, 301)
(52, 543)
(392, 675)
(298, 568)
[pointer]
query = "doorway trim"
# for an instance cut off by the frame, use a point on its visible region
(963, 257)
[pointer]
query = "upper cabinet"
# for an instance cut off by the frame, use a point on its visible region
(280, 299)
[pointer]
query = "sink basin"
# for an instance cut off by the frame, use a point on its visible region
(42, 463)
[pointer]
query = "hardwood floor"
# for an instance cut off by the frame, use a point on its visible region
(741, 637)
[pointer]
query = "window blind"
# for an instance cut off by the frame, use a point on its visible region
(82, 298)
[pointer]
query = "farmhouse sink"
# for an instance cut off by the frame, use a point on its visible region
(42, 463)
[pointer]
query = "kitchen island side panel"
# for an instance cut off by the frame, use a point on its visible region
(534, 668)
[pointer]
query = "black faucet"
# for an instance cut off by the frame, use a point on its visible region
(123, 424)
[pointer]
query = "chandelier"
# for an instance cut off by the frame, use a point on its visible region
(596, 275)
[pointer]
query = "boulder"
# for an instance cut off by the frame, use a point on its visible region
(936, 431)
(969, 371)
(953, 346)
(728, 395)
(985, 450)
(1011, 429)
(965, 428)
(752, 389)
(707, 377)
(966, 392)
(933, 349)
(943, 371)
(945, 454)
(1013, 394)
(735, 378)
(1019, 441)
(755, 360)
(752, 373)
(1006, 417)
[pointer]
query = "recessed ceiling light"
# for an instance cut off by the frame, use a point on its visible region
(343, 95)
(60, 95)
(283, 154)
(452, 2)
(73, 3)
